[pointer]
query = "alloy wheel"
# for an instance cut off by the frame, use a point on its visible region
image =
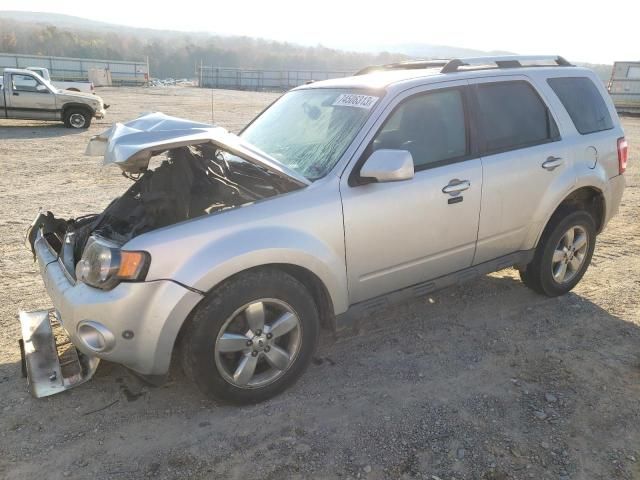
(569, 255)
(258, 343)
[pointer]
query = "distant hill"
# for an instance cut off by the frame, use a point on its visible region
(176, 54)
(423, 50)
(171, 53)
(70, 22)
(413, 50)
(57, 19)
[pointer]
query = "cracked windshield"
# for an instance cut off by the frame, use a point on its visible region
(308, 130)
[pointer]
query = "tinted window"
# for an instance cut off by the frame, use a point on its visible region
(583, 102)
(512, 115)
(430, 126)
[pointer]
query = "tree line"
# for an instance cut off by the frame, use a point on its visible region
(177, 54)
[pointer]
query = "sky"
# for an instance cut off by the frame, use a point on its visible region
(587, 31)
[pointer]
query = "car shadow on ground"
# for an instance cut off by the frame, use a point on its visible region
(436, 312)
(449, 384)
(33, 130)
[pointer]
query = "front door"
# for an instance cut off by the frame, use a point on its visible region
(30, 98)
(398, 234)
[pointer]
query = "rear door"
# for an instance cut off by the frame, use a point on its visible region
(399, 234)
(27, 97)
(522, 158)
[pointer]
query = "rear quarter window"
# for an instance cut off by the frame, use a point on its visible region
(583, 102)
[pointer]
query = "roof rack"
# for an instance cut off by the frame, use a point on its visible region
(409, 65)
(505, 61)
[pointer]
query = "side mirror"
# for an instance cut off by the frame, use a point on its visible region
(388, 166)
(41, 88)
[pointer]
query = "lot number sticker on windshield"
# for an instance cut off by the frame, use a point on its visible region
(353, 100)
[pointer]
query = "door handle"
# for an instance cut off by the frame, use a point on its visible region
(455, 187)
(551, 163)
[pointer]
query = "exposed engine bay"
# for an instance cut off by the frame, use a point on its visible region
(206, 170)
(192, 181)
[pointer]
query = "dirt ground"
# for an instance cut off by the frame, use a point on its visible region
(488, 381)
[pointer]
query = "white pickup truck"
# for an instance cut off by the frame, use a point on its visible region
(75, 86)
(26, 95)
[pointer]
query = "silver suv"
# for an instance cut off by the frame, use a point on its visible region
(344, 195)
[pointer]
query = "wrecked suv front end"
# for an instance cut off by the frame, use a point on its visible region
(98, 287)
(123, 325)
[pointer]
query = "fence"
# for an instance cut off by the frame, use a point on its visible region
(65, 68)
(245, 79)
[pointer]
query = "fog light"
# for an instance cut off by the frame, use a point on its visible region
(96, 336)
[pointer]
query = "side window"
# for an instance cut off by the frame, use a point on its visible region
(583, 102)
(633, 72)
(431, 126)
(512, 115)
(25, 83)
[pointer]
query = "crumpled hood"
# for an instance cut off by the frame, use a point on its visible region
(131, 145)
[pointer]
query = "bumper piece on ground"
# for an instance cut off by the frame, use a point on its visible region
(51, 362)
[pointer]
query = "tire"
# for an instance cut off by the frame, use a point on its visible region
(214, 346)
(77, 118)
(544, 274)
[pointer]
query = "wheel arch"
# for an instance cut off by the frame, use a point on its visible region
(67, 106)
(306, 277)
(316, 287)
(589, 198)
(309, 279)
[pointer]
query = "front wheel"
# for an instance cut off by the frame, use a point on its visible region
(252, 337)
(563, 254)
(77, 118)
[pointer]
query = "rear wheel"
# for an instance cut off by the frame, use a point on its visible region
(252, 337)
(77, 118)
(563, 254)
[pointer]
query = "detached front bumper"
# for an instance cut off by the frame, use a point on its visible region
(50, 361)
(142, 319)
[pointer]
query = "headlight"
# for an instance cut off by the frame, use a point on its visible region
(104, 265)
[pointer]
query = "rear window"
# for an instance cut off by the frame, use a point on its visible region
(583, 102)
(512, 115)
